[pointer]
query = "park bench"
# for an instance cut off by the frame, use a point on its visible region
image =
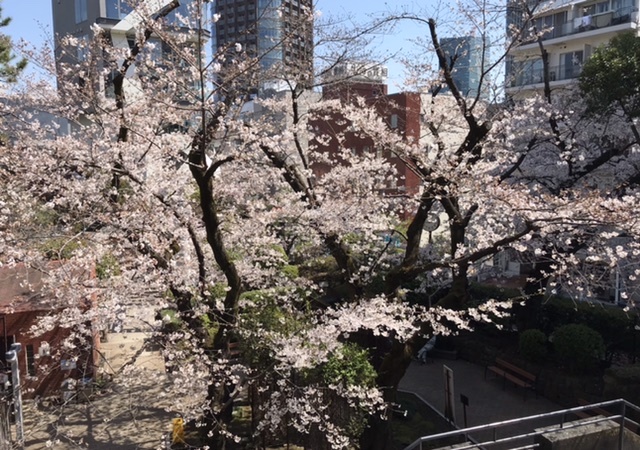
(233, 350)
(512, 373)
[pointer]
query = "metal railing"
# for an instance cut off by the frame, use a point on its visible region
(552, 422)
(591, 22)
(535, 76)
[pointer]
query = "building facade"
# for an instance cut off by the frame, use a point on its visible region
(75, 17)
(570, 31)
(277, 32)
(468, 55)
(401, 112)
(44, 361)
(118, 25)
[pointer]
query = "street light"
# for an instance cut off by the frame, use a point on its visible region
(12, 357)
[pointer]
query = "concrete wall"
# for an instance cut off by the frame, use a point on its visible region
(589, 436)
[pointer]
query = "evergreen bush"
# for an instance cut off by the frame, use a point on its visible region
(578, 346)
(532, 345)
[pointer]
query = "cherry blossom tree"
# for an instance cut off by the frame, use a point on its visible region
(270, 281)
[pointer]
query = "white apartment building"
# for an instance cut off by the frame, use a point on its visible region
(571, 30)
(119, 22)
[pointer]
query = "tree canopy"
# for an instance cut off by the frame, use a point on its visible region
(9, 70)
(207, 208)
(610, 79)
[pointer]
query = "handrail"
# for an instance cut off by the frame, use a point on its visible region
(617, 17)
(561, 425)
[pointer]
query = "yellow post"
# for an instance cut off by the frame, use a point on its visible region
(177, 433)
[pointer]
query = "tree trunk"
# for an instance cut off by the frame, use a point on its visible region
(377, 435)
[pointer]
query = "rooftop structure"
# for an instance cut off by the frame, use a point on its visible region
(570, 30)
(363, 79)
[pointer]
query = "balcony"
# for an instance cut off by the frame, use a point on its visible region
(589, 23)
(536, 76)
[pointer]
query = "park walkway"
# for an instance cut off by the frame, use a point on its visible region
(134, 417)
(128, 416)
(488, 401)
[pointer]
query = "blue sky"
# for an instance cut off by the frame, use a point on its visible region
(31, 21)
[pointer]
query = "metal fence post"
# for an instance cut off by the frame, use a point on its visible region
(621, 436)
(12, 357)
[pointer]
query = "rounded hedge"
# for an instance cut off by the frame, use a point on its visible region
(532, 345)
(578, 347)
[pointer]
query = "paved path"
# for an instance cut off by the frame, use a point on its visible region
(134, 416)
(488, 401)
(128, 416)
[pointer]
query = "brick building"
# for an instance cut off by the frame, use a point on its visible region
(43, 363)
(401, 112)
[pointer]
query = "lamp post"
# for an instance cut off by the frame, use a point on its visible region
(12, 357)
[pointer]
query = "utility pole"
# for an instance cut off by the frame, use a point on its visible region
(12, 357)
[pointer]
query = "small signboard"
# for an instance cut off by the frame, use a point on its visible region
(449, 399)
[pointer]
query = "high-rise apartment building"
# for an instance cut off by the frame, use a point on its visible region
(570, 31)
(278, 32)
(467, 54)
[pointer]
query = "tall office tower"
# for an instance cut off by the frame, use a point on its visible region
(278, 32)
(467, 52)
(570, 31)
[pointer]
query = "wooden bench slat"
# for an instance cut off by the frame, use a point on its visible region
(517, 380)
(512, 373)
(496, 370)
(517, 370)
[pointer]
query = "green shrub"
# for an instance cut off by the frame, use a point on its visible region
(45, 216)
(349, 366)
(290, 271)
(107, 267)
(218, 290)
(614, 324)
(60, 248)
(483, 292)
(318, 265)
(623, 382)
(532, 345)
(171, 319)
(577, 346)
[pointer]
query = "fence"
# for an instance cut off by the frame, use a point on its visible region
(498, 434)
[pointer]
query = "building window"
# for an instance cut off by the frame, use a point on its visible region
(589, 10)
(81, 10)
(83, 48)
(31, 360)
(394, 121)
(571, 64)
(602, 7)
(118, 9)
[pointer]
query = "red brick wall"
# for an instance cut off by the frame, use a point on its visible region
(405, 105)
(49, 374)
